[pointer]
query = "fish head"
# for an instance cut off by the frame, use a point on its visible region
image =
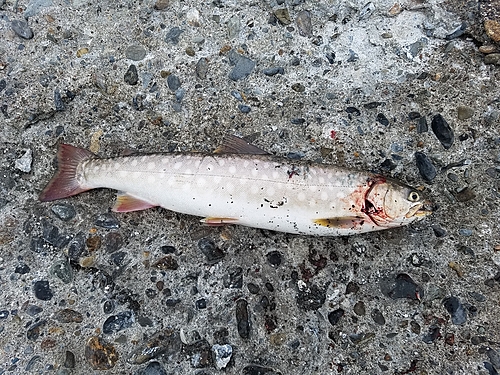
(389, 203)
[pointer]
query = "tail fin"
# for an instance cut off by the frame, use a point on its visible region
(65, 182)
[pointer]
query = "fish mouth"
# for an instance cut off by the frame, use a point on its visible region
(421, 210)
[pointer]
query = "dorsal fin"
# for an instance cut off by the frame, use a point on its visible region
(232, 144)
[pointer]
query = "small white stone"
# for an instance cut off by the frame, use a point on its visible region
(151, 165)
(232, 169)
(301, 197)
(24, 162)
(222, 354)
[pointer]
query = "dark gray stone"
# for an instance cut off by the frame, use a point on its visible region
(22, 29)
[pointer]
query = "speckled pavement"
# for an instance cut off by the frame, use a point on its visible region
(409, 89)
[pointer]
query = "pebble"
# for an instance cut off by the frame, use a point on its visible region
(69, 360)
(58, 101)
(233, 27)
(433, 334)
(161, 4)
(202, 68)
(273, 71)
(107, 221)
(212, 253)
(68, 316)
(35, 330)
(63, 271)
(283, 16)
(34, 7)
(366, 11)
(422, 126)
(359, 308)
(76, 247)
(234, 278)
(492, 29)
(443, 131)
(153, 368)
(244, 108)
(425, 166)
(304, 24)
(193, 17)
(118, 322)
(3, 84)
(465, 232)
(24, 162)
(201, 304)
(439, 232)
(173, 35)
(4, 314)
(456, 310)
(335, 316)
(453, 177)
(113, 241)
(353, 111)
(242, 68)
(63, 211)
(166, 263)
(401, 286)
(131, 76)
(200, 354)
(163, 343)
(42, 290)
(464, 112)
(377, 317)
(33, 310)
(492, 59)
(382, 119)
(22, 269)
(458, 32)
(298, 87)
(242, 318)
(82, 51)
(253, 288)
(173, 82)
(108, 307)
(100, 355)
(22, 29)
(310, 298)
(135, 52)
(274, 258)
(222, 355)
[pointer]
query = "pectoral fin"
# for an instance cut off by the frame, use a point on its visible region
(218, 221)
(128, 203)
(340, 222)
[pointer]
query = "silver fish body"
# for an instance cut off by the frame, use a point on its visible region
(260, 191)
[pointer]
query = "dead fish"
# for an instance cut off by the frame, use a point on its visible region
(242, 184)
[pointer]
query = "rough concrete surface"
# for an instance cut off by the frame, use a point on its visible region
(363, 85)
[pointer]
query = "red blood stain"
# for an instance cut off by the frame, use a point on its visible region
(333, 134)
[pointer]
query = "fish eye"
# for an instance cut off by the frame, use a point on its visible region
(413, 196)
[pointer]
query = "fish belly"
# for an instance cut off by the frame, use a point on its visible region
(257, 191)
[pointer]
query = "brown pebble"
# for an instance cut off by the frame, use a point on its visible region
(497, 248)
(465, 195)
(161, 4)
(492, 29)
(457, 268)
(224, 49)
(48, 343)
(277, 339)
(82, 51)
(395, 10)
(420, 144)
(93, 243)
(449, 338)
(387, 357)
(101, 356)
(487, 49)
(166, 263)
(190, 51)
(68, 316)
(160, 285)
(492, 58)
(87, 262)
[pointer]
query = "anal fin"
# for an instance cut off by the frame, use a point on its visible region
(218, 221)
(128, 203)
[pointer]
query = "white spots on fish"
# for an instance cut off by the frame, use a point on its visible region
(151, 179)
(340, 195)
(171, 181)
(217, 179)
(246, 163)
(330, 176)
(178, 165)
(321, 180)
(221, 162)
(123, 174)
(201, 182)
(116, 165)
(254, 189)
(301, 196)
(266, 165)
(255, 172)
(134, 163)
(275, 175)
(230, 188)
(144, 159)
(188, 171)
(243, 181)
(271, 191)
(324, 196)
(312, 188)
(312, 202)
(264, 177)
(232, 169)
(186, 186)
(151, 165)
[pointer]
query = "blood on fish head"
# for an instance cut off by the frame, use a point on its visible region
(389, 203)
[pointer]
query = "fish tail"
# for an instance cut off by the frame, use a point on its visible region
(65, 182)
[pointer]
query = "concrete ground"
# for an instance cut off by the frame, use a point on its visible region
(409, 89)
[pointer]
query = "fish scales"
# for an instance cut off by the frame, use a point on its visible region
(266, 192)
(261, 191)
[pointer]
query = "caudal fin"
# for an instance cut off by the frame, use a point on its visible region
(65, 182)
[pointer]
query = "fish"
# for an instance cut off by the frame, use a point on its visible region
(242, 184)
